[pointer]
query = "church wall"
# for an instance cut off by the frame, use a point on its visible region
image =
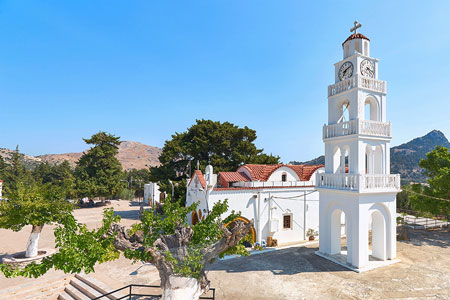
(248, 202)
(196, 194)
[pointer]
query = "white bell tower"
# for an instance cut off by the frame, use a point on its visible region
(357, 191)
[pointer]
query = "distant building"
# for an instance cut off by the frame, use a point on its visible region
(152, 193)
(281, 199)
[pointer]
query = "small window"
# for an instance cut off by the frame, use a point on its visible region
(357, 46)
(287, 221)
(284, 177)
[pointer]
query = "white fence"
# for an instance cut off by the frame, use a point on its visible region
(359, 182)
(357, 81)
(357, 126)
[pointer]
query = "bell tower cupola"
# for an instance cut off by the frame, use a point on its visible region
(356, 43)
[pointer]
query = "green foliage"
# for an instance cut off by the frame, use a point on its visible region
(135, 180)
(206, 232)
(403, 199)
(425, 198)
(33, 205)
(437, 168)
(98, 172)
(60, 176)
(79, 249)
(15, 173)
(223, 145)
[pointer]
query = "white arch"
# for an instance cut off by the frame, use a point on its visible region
(337, 154)
(343, 108)
(346, 159)
(334, 215)
(381, 236)
(371, 103)
(378, 160)
(369, 159)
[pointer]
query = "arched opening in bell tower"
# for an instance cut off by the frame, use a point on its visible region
(344, 111)
(370, 159)
(346, 162)
(377, 236)
(337, 230)
(371, 109)
(378, 160)
(337, 160)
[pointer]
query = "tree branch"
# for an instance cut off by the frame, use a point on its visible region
(231, 237)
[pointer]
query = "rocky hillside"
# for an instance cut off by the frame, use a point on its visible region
(132, 155)
(405, 158)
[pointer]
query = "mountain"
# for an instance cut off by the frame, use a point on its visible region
(132, 155)
(405, 158)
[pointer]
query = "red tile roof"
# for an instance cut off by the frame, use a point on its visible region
(355, 36)
(263, 172)
(260, 188)
(233, 176)
(200, 176)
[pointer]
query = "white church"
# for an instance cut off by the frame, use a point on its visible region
(282, 200)
(352, 196)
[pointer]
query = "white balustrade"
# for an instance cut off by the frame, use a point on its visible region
(357, 126)
(359, 182)
(357, 81)
(268, 184)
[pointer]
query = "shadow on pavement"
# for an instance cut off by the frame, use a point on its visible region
(436, 237)
(280, 262)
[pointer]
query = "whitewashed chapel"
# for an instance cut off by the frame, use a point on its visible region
(356, 192)
(281, 199)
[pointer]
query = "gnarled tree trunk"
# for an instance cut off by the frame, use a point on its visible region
(177, 287)
(33, 241)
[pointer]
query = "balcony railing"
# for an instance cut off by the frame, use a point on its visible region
(359, 182)
(357, 81)
(357, 127)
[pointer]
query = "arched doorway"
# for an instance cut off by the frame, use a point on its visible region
(338, 228)
(194, 217)
(379, 237)
(245, 221)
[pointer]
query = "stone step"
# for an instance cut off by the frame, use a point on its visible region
(99, 286)
(85, 288)
(32, 291)
(64, 296)
(75, 293)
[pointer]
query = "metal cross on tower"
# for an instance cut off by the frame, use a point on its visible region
(357, 25)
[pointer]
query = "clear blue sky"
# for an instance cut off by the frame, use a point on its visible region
(145, 69)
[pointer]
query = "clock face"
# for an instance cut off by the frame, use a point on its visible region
(346, 70)
(367, 68)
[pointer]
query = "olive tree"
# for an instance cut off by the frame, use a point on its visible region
(179, 251)
(36, 206)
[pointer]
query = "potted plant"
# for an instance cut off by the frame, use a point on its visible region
(311, 233)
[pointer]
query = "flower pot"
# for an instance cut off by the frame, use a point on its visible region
(311, 238)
